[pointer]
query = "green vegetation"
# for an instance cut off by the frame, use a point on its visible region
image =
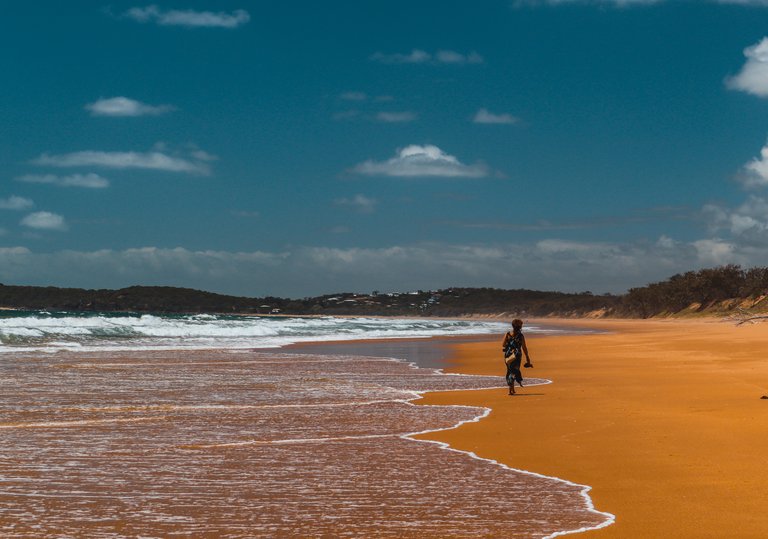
(708, 291)
(451, 302)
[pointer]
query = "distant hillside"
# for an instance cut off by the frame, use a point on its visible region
(449, 302)
(721, 290)
(134, 298)
(713, 291)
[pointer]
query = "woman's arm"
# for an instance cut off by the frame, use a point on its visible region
(525, 351)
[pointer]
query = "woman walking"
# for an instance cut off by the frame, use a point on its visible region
(514, 346)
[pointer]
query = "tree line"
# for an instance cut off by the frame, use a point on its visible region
(708, 290)
(712, 290)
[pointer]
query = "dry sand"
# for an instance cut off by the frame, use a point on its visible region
(662, 418)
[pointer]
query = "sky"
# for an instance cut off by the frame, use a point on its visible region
(300, 148)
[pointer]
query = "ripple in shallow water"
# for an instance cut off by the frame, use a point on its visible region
(246, 445)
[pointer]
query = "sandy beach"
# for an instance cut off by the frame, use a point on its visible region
(664, 419)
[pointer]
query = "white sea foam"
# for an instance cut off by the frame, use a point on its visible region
(158, 414)
(270, 444)
(43, 331)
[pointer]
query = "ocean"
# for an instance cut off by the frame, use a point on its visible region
(119, 425)
(52, 331)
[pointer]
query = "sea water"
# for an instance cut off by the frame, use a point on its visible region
(175, 426)
(49, 331)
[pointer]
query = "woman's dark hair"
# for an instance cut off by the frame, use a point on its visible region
(517, 324)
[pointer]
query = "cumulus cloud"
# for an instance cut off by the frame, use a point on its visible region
(714, 252)
(424, 161)
(747, 223)
(753, 77)
(360, 203)
(202, 155)
(396, 117)
(154, 160)
(90, 181)
(15, 203)
(44, 220)
(483, 116)
(418, 56)
(755, 173)
(188, 18)
(125, 107)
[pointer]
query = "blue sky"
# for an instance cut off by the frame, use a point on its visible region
(301, 148)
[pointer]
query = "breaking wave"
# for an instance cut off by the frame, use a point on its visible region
(50, 331)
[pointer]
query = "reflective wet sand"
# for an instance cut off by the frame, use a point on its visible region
(252, 444)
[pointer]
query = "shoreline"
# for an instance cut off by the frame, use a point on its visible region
(443, 345)
(662, 418)
(179, 393)
(660, 422)
(584, 490)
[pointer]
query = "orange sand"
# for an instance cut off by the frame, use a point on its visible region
(662, 418)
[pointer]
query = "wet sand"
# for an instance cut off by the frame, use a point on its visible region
(662, 418)
(252, 444)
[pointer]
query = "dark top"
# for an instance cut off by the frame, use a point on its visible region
(513, 344)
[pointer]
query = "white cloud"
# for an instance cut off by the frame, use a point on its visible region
(396, 117)
(202, 155)
(154, 160)
(188, 18)
(15, 203)
(415, 161)
(753, 77)
(91, 180)
(483, 116)
(125, 107)
(418, 56)
(713, 252)
(755, 173)
(747, 224)
(44, 220)
(360, 203)
(665, 242)
(548, 265)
